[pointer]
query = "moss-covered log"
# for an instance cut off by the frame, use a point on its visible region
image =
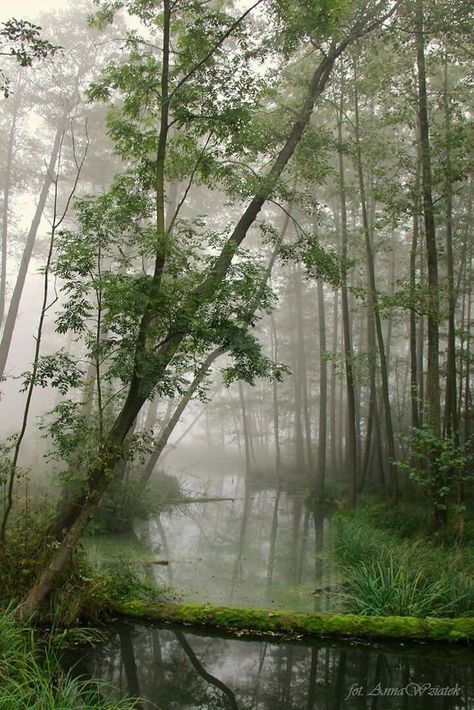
(297, 624)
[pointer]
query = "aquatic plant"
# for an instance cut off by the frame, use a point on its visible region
(394, 587)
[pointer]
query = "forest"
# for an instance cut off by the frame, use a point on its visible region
(236, 324)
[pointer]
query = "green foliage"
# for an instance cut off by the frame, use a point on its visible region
(25, 44)
(438, 465)
(306, 21)
(122, 580)
(397, 587)
(32, 677)
(59, 370)
(82, 592)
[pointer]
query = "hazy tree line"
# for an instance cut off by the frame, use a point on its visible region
(282, 193)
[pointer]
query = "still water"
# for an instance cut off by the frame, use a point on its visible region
(174, 669)
(261, 548)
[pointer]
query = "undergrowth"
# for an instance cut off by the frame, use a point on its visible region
(392, 566)
(31, 675)
(83, 592)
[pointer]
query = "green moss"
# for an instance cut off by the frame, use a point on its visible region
(261, 621)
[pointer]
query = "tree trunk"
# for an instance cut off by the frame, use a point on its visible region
(12, 314)
(433, 384)
(323, 395)
(351, 441)
(333, 398)
(6, 205)
(414, 394)
(451, 420)
(393, 478)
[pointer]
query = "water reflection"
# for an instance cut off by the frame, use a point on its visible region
(257, 550)
(170, 669)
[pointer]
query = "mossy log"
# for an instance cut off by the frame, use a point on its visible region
(262, 622)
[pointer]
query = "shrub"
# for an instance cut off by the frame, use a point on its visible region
(125, 501)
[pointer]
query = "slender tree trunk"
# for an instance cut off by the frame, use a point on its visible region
(451, 420)
(393, 478)
(323, 395)
(333, 398)
(351, 440)
(6, 204)
(414, 394)
(297, 379)
(12, 314)
(467, 385)
(433, 378)
(303, 374)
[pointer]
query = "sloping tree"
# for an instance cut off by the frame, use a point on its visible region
(196, 292)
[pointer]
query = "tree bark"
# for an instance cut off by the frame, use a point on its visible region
(323, 395)
(351, 441)
(393, 478)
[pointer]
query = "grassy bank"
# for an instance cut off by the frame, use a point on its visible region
(393, 565)
(31, 675)
(263, 622)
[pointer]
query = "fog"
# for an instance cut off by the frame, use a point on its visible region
(236, 297)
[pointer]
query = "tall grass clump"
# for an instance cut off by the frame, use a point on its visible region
(31, 675)
(386, 573)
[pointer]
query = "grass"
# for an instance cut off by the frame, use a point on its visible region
(31, 675)
(392, 567)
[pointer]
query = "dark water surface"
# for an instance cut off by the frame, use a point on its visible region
(173, 669)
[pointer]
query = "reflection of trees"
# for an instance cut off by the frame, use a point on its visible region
(169, 672)
(212, 680)
(127, 653)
